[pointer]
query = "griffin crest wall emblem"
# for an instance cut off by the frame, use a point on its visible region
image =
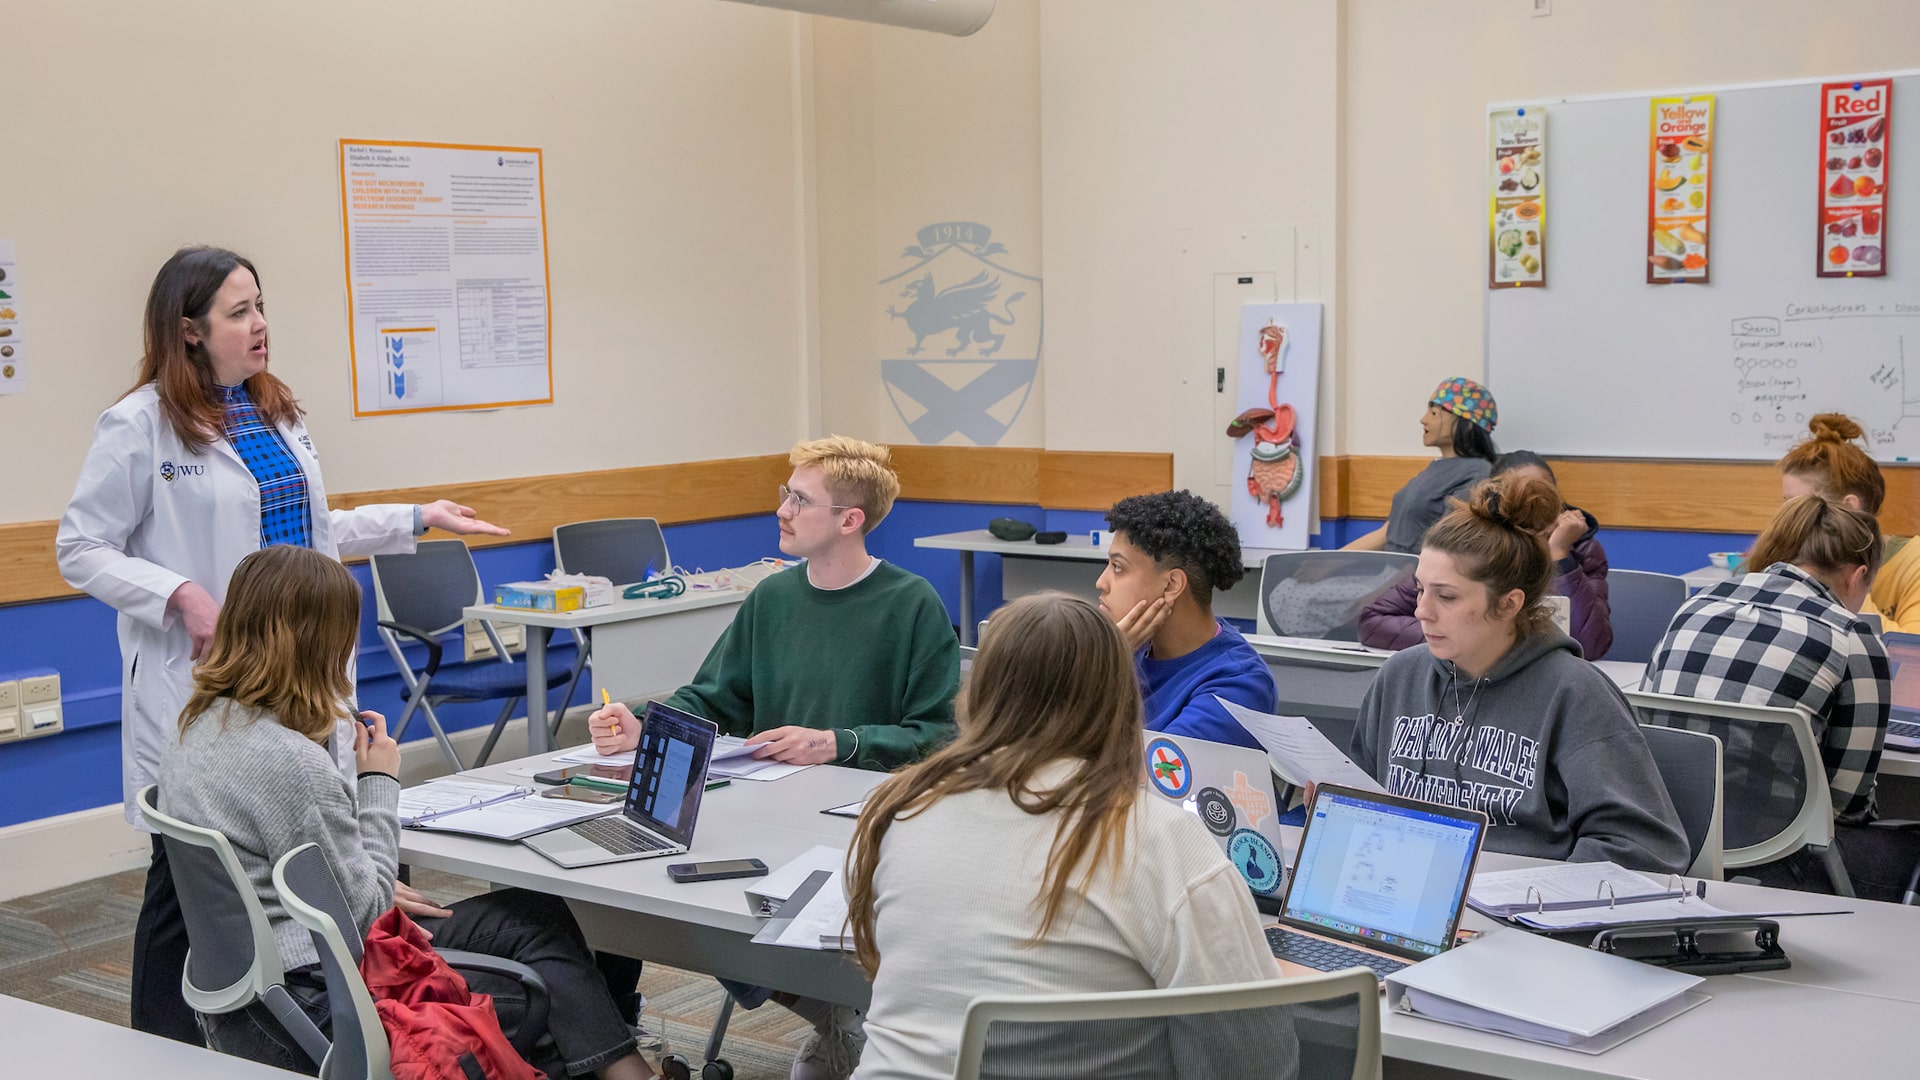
(962, 337)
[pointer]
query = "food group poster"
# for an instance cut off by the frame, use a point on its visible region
(1679, 189)
(447, 299)
(13, 345)
(1854, 147)
(1517, 213)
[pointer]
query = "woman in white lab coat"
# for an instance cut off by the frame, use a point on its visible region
(202, 462)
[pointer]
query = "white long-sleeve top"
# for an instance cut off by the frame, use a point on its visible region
(954, 905)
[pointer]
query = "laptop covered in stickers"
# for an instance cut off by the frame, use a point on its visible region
(1230, 789)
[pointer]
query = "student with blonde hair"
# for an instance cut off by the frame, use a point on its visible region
(1787, 634)
(845, 659)
(1495, 709)
(252, 763)
(1027, 857)
(1831, 465)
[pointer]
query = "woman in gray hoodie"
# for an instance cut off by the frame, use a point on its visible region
(1497, 711)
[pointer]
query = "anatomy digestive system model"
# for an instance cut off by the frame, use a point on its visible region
(1276, 472)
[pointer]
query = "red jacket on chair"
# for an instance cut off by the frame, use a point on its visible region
(433, 1020)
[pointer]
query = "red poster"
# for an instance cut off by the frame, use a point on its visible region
(1854, 144)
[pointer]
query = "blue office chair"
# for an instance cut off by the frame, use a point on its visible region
(421, 597)
(1641, 605)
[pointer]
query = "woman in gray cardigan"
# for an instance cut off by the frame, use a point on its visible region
(252, 763)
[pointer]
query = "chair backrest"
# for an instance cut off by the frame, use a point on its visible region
(1243, 1029)
(313, 899)
(1320, 594)
(618, 549)
(427, 589)
(1640, 607)
(1774, 786)
(1689, 764)
(231, 957)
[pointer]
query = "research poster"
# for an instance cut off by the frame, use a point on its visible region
(446, 253)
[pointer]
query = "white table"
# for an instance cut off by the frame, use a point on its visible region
(639, 646)
(1031, 567)
(1705, 576)
(40, 1041)
(1851, 986)
(633, 909)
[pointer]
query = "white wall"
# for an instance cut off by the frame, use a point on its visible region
(1418, 79)
(668, 132)
(1180, 143)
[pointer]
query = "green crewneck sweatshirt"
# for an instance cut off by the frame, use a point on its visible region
(877, 662)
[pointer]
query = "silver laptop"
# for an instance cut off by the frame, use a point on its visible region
(1903, 722)
(1230, 789)
(663, 798)
(1379, 881)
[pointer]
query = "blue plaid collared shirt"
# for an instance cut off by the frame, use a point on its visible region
(1778, 637)
(285, 513)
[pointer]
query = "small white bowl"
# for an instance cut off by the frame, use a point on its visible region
(1726, 560)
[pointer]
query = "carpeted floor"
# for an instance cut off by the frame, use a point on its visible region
(71, 949)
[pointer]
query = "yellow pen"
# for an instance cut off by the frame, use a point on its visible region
(606, 700)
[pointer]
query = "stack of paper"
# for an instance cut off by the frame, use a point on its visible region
(733, 758)
(494, 811)
(814, 917)
(1513, 983)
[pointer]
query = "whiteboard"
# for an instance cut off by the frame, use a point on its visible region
(1599, 363)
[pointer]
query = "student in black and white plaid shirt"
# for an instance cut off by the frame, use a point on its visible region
(1789, 635)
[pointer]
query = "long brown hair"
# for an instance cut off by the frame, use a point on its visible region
(1822, 537)
(184, 289)
(1496, 538)
(1833, 465)
(1053, 681)
(283, 642)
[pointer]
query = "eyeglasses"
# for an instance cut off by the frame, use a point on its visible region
(801, 503)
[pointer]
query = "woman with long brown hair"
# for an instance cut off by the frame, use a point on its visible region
(251, 763)
(1026, 857)
(204, 460)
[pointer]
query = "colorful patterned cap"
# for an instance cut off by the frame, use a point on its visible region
(1467, 400)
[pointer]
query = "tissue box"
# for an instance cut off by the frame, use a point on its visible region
(540, 596)
(598, 590)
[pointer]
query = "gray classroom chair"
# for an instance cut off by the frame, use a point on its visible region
(1776, 799)
(1689, 764)
(421, 596)
(622, 550)
(1641, 607)
(618, 549)
(1320, 594)
(1204, 1031)
(232, 961)
(359, 1049)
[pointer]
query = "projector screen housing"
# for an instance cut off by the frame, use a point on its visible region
(956, 17)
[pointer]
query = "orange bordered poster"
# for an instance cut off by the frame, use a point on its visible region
(448, 305)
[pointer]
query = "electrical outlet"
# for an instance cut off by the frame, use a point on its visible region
(9, 710)
(39, 689)
(479, 647)
(40, 704)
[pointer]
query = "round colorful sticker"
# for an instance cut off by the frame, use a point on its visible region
(1167, 769)
(1216, 811)
(1256, 860)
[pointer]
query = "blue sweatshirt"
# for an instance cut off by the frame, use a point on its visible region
(1179, 693)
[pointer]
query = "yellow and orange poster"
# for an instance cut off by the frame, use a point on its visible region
(1517, 203)
(447, 298)
(1679, 189)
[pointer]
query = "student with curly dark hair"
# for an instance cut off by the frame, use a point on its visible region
(1169, 552)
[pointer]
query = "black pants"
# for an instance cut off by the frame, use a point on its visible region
(160, 958)
(533, 928)
(1880, 862)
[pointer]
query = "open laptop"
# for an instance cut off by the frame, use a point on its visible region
(1230, 789)
(1903, 719)
(663, 798)
(1379, 882)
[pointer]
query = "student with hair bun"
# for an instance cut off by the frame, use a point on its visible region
(1786, 635)
(1497, 711)
(1459, 423)
(1829, 464)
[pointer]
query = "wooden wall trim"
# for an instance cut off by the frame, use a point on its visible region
(1621, 493)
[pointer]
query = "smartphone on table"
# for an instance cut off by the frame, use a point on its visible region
(576, 793)
(604, 777)
(719, 870)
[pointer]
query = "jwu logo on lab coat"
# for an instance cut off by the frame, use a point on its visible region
(968, 336)
(168, 470)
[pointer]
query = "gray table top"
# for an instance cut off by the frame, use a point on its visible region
(42, 1041)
